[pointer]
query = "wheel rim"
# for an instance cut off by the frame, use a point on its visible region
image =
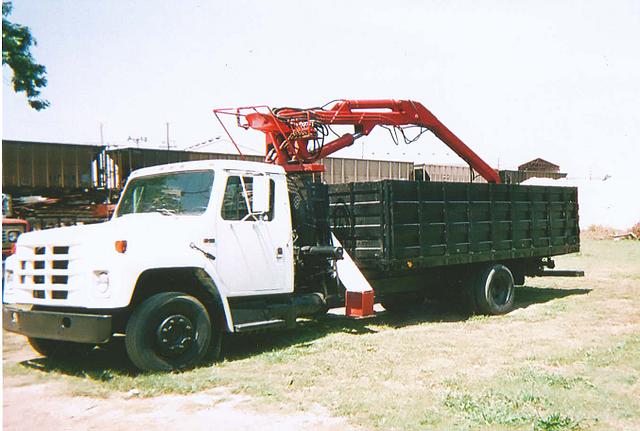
(175, 335)
(500, 288)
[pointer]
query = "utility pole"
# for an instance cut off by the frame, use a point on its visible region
(104, 168)
(168, 145)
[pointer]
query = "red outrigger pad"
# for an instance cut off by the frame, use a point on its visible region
(359, 304)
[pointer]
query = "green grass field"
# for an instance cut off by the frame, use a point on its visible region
(567, 358)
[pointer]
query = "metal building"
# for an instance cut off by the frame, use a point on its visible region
(539, 165)
(536, 168)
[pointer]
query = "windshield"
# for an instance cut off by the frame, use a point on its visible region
(168, 194)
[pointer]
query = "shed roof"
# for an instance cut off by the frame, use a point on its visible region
(537, 164)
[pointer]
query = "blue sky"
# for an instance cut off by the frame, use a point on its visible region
(514, 80)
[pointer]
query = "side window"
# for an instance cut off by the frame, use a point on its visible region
(238, 200)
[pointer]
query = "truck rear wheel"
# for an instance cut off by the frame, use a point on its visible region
(56, 349)
(494, 290)
(168, 331)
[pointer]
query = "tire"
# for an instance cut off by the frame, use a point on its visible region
(399, 303)
(168, 331)
(56, 349)
(494, 290)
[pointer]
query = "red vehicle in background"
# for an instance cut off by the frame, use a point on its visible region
(12, 228)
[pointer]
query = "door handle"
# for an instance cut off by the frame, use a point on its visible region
(207, 255)
(279, 253)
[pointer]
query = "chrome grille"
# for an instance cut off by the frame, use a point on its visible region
(45, 271)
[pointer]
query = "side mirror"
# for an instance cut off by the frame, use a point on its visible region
(261, 191)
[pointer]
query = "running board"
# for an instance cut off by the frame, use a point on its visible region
(560, 273)
(254, 326)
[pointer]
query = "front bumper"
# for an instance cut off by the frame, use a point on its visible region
(51, 325)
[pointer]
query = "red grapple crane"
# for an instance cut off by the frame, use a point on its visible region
(295, 138)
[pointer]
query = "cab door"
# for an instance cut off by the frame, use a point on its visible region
(254, 248)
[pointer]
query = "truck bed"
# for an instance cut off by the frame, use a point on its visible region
(395, 226)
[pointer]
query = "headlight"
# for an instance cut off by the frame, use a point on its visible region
(13, 235)
(103, 281)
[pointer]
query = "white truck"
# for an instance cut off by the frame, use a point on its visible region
(193, 250)
(198, 249)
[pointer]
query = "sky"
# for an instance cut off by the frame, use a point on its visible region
(558, 80)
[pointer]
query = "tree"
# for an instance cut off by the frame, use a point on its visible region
(28, 76)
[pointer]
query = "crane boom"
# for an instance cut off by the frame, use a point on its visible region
(295, 137)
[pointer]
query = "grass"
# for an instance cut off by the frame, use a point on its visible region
(565, 359)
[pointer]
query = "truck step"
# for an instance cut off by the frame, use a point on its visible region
(560, 273)
(265, 324)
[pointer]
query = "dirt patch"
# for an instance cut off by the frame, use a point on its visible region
(35, 403)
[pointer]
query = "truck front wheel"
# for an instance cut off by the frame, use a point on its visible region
(494, 290)
(168, 331)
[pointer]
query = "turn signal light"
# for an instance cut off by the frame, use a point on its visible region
(121, 246)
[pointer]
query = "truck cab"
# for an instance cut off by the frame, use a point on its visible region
(193, 250)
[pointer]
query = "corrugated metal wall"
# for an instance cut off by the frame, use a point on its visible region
(337, 170)
(34, 165)
(449, 173)
(130, 159)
